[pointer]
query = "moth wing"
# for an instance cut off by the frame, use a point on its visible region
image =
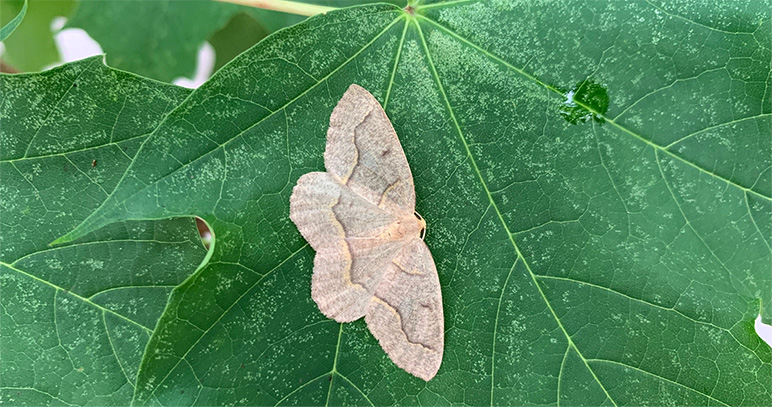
(405, 312)
(363, 151)
(343, 228)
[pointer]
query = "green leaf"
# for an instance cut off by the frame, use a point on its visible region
(160, 38)
(7, 28)
(32, 46)
(247, 28)
(617, 261)
(157, 39)
(76, 318)
(242, 32)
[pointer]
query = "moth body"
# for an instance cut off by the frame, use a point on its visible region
(405, 227)
(371, 260)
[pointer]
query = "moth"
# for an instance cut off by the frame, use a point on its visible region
(371, 260)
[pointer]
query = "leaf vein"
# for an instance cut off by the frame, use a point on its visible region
(156, 181)
(657, 376)
(651, 304)
(495, 207)
(225, 312)
(86, 300)
(589, 108)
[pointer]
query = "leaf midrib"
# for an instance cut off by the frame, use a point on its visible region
(510, 236)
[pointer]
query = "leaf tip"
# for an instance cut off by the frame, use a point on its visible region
(61, 240)
(70, 236)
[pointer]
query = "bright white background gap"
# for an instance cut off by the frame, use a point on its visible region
(75, 44)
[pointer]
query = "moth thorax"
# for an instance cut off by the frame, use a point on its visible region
(404, 227)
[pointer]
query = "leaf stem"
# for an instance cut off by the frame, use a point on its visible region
(284, 6)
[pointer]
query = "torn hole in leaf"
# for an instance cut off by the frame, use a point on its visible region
(588, 100)
(763, 330)
(204, 232)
